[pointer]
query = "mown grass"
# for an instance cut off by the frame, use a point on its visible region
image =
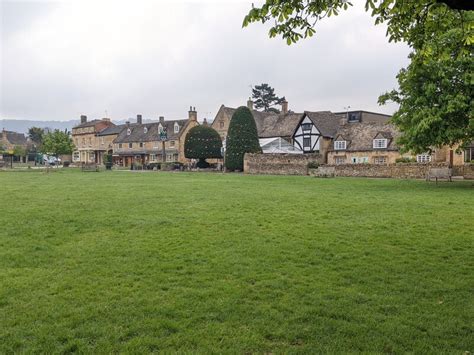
(140, 262)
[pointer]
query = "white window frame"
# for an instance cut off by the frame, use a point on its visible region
(380, 160)
(340, 145)
(145, 130)
(176, 128)
(129, 131)
(423, 158)
(130, 145)
(339, 160)
(379, 143)
(171, 143)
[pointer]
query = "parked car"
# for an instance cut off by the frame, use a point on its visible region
(51, 160)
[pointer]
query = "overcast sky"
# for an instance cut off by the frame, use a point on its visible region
(63, 59)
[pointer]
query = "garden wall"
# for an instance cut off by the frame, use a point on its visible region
(466, 170)
(279, 164)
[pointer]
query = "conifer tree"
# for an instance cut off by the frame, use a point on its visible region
(202, 142)
(264, 98)
(242, 138)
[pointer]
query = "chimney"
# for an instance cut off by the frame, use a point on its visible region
(83, 119)
(250, 104)
(139, 119)
(192, 113)
(162, 120)
(284, 107)
(205, 122)
(127, 123)
(4, 135)
(344, 119)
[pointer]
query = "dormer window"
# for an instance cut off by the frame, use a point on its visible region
(145, 130)
(160, 128)
(380, 143)
(176, 128)
(340, 145)
(306, 126)
(353, 116)
(129, 131)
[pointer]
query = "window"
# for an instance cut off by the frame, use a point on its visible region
(469, 154)
(171, 143)
(339, 160)
(120, 145)
(306, 142)
(339, 145)
(176, 128)
(76, 156)
(90, 141)
(169, 157)
(380, 143)
(141, 145)
(160, 128)
(221, 124)
(129, 131)
(145, 130)
(102, 140)
(130, 145)
(423, 158)
(353, 116)
(359, 160)
(152, 157)
(306, 126)
(380, 160)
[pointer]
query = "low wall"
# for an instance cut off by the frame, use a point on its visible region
(398, 171)
(467, 171)
(279, 164)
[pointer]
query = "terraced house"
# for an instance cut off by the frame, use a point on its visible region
(142, 142)
(89, 147)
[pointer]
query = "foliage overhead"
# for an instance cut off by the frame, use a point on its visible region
(264, 97)
(242, 137)
(57, 143)
(202, 142)
(436, 88)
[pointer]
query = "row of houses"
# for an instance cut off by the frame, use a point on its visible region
(350, 137)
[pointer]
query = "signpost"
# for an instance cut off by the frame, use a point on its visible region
(163, 139)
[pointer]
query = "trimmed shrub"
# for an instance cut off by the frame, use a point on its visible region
(405, 160)
(66, 163)
(313, 165)
(242, 138)
(202, 142)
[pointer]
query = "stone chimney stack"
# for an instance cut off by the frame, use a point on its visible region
(83, 119)
(284, 107)
(250, 104)
(344, 119)
(162, 120)
(192, 113)
(205, 122)
(127, 123)
(4, 135)
(139, 119)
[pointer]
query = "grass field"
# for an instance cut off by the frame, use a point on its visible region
(139, 262)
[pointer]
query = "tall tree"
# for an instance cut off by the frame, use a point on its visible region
(435, 90)
(202, 142)
(264, 97)
(242, 138)
(36, 135)
(57, 143)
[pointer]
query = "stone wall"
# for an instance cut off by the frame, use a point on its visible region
(398, 171)
(466, 170)
(279, 164)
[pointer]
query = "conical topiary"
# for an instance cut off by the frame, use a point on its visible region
(242, 138)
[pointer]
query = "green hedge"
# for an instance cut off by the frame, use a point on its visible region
(202, 142)
(242, 138)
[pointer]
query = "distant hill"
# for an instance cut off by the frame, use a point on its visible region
(22, 126)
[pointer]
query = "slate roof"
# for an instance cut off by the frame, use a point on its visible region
(360, 136)
(138, 134)
(326, 122)
(112, 130)
(88, 124)
(16, 138)
(270, 124)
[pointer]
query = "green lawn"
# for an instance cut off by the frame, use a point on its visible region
(138, 262)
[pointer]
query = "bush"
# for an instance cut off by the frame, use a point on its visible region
(202, 142)
(66, 163)
(152, 166)
(242, 138)
(313, 165)
(405, 160)
(202, 164)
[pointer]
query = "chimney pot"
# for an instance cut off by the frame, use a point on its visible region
(139, 119)
(250, 104)
(192, 114)
(284, 107)
(83, 118)
(162, 119)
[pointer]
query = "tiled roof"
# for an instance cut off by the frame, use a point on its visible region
(16, 138)
(360, 136)
(87, 124)
(270, 124)
(326, 122)
(112, 130)
(138, 134)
